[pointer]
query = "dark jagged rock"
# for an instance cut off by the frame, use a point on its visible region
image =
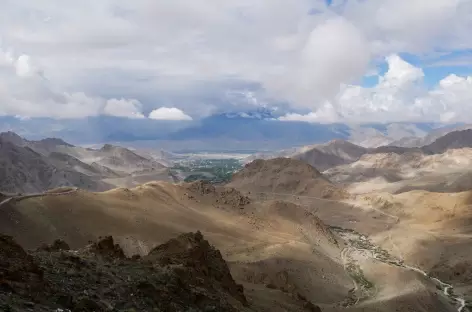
(57, 245)
(19, 273)
(107, 248)
(184, 274)
(309, 306)
(191, 250)
(201, 187)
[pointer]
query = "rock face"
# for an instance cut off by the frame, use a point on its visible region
(106, 248)
(222, 195)
(19, 273)
(184, 274)
(57, 245)
(193, 252)
(201, 187)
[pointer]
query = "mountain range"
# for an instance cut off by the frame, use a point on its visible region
(256, 130)
(327, 227)
(339, 152)
(36, 166)
(39, 165)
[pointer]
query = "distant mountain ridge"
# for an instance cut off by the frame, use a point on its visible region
(36, 166)
(451, 140)
(341, 152)
(409, 141)
(260, 114)
(24, 170)
(256, 130)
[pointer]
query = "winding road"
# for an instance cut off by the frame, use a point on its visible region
(21, 197)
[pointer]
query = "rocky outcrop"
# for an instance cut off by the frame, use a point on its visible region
(106, 248)
(184, 274)
(201, 187)
(192, 251)
(19, 273)
(57, 245)
(221, 195)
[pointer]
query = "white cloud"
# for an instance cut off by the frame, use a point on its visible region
(169, 113)
(416, 26)
(400, 95)
(23, 66)
(325, 114)
(25, 92)
(123, 108)
(400, 73)
(335, 52)
(88, 52)
(450, 100)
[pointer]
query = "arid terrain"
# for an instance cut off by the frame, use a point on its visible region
(385, 231)
(36, 166)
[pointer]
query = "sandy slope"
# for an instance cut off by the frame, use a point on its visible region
(405, 208)
(269, 243)
(434, 232)
(396, 173)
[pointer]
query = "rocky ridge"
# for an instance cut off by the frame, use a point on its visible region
(184, 274)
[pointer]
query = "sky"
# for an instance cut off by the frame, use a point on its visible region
(313, 60)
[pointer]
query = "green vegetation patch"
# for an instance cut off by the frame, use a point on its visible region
(357, 275)
(211, 170)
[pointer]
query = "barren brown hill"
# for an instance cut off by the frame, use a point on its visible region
(35, 166)
(434, 233)
(452, 140)
(397, 173)
(24, 170)
(430, 137)
(123, 159)
(343, 149)
(62, 160)
(148, 215)
(284, 254)
(320, 156)
(331, 154)
(284, 175)
(436, 143)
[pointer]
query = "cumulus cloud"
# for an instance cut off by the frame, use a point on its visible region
(335, 52)
(303, 53)
(123, 108)
(400, 95)
(169, 113)
(450, 101)
(25, 92)
(419, 26)
(325, 114)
